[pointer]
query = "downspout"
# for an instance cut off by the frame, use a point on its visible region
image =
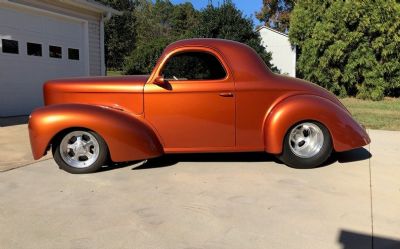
(103, 19)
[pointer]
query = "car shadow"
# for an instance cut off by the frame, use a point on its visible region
(173, 159)
(355, 155)
(355, 240)
(17, 120)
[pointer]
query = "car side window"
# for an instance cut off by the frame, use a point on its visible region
(193, 66)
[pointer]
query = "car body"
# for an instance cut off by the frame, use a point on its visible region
(245, 108)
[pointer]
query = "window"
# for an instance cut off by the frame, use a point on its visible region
(55, 52)
(73, 54)
(9, 46)
(34, 49)
(193, 66)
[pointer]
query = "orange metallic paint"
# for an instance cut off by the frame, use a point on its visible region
(345, 132)
(196, 112)
(128, 137)
(120, 92)
(250, 110)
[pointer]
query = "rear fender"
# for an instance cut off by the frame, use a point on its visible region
(346, 133)
(128, 136)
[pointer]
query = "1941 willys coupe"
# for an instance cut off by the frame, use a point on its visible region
(204, 95)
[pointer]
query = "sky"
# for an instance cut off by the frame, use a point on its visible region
(248, 7)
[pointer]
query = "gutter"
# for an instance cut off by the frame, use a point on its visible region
(104, 18)
(91, 5)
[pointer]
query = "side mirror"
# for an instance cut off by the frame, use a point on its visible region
(159, 80)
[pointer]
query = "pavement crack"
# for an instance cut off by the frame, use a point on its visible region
(24, 165)
(371, 200)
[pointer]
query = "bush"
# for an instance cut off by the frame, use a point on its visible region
(349, 47)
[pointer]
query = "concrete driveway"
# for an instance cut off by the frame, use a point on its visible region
(208, 201)
(15, 147)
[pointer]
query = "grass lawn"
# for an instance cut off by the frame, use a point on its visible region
(114, 73)
(381, 115)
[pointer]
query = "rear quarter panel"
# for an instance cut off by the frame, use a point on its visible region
(346, 133)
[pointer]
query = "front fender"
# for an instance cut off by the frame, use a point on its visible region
(346, 133)
(128, 136)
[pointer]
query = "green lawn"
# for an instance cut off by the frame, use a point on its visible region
(382, 115)
(114, 73)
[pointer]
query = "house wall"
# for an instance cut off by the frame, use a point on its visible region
(283, 54)
(94, 48)
(93, 27)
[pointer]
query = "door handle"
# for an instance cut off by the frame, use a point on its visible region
(226, 94)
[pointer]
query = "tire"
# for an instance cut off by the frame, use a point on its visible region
(306, 145)
(80, 151)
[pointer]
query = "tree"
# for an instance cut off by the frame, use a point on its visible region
(276, 14)
(157, 25)
(119, 32)
(350, 47)
(160, 22)
(227, 22)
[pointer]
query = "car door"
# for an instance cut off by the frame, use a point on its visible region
(194, 108)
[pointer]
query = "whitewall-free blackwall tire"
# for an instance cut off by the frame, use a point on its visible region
(307, 144)
(80, 151)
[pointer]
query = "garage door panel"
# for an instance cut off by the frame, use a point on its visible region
(62, 29)
(40, 23)
(21, 75)
(25, 21)
(18, 93)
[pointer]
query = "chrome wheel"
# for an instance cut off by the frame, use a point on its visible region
(306, 140)
(79, 149)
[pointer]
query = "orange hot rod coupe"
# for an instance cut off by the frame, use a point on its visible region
(204, 95)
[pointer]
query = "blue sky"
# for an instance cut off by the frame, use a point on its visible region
(248, 7)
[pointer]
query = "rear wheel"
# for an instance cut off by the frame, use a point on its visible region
(306, 145)
(80, 151)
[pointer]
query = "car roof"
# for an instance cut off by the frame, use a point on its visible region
(218, 44)
(240, 56)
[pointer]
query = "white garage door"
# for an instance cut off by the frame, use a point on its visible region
(35, 47)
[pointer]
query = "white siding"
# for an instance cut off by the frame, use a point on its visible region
(283, 54)
(94, 48)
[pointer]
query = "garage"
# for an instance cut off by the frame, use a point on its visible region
(37, 44)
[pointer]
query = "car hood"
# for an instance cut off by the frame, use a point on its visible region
(122, 92)
(131, 83)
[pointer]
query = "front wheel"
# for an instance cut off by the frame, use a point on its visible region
(80, 151)
(306, 145)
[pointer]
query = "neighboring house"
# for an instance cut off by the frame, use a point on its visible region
(283, 53)
(47, 39)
